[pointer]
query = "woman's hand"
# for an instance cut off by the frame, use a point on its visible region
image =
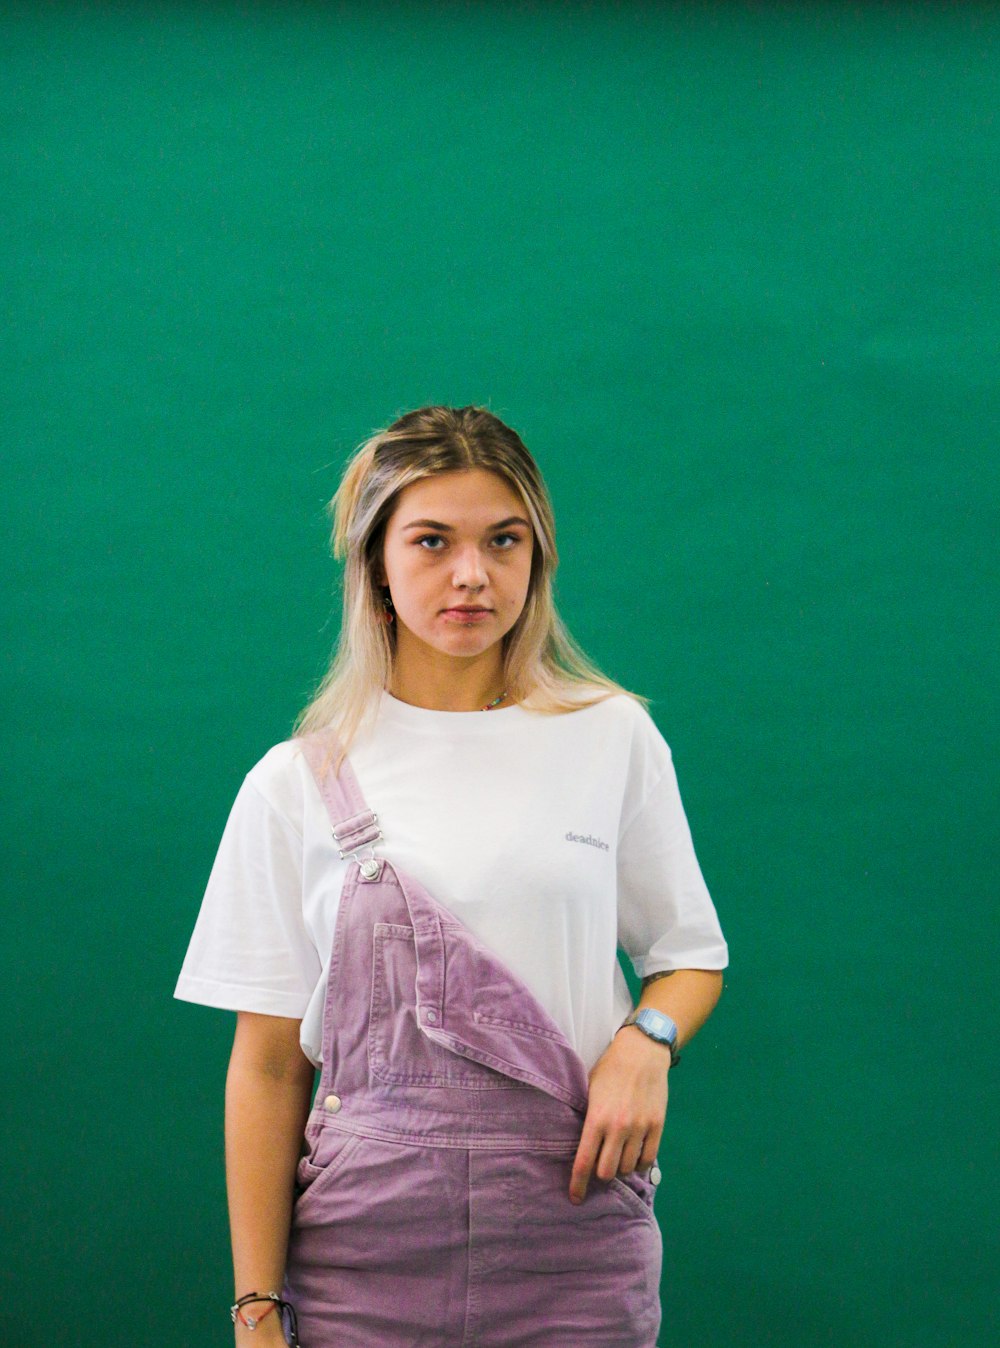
(268, 1332)
(625, 1111)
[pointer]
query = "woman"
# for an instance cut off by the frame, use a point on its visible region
(480, 1161)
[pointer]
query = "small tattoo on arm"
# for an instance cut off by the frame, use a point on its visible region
(652, 978)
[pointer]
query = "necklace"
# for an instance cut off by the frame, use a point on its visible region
(492, 704)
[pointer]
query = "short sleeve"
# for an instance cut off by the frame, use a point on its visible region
(666, 917)
(250, 950)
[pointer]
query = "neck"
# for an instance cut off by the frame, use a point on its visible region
(451, 685)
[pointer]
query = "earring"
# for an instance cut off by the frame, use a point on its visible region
(389, 611)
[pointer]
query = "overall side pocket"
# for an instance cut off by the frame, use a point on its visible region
(636, 1192)
(318, 1167)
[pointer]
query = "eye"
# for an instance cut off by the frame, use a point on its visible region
(511, 541)
(429, 541)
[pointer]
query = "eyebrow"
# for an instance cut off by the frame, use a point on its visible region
(449, 529)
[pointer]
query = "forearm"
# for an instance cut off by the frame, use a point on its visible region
(628, 1084)
(687, 996)
(265, 1119)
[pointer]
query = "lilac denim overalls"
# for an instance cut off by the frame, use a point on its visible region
(432, 1206)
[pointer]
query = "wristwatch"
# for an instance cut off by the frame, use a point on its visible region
(658, 1026)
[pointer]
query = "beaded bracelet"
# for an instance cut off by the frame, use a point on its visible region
(285, 1308)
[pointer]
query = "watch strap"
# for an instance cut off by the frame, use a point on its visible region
(656, 1025)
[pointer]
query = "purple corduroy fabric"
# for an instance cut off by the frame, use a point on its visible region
(432, 1206)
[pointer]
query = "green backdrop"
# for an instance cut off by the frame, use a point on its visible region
(731, 270)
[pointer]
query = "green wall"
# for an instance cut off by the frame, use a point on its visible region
(731, 270)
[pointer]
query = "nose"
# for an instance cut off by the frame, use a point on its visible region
(470, 570)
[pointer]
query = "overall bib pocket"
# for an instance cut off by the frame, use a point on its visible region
(399, 1053)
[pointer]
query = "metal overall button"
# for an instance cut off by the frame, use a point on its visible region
(332, 1103)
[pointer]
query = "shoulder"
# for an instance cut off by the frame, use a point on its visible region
(281, 780)
(617, 736)
(622, 714)
(643, 755)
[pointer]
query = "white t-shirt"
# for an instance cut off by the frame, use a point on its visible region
(553, 838)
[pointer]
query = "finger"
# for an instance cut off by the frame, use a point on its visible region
(631, 1153)
(610, 1158)
(650, 1148)
(583, 1164)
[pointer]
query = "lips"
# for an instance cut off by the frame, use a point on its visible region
(467, 614)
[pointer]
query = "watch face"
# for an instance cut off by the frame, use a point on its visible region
(658, 1025)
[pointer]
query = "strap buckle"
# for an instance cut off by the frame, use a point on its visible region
(360, 835)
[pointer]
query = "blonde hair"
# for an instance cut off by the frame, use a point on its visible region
(544, 668)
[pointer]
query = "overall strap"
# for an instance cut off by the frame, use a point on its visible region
(354, 825)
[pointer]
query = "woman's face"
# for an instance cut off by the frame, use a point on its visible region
(457, 560)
